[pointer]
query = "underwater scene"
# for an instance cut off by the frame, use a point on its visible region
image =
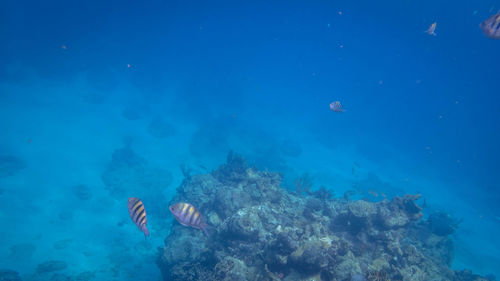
(250, 140)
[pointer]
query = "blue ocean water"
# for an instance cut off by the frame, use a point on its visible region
(184, 82)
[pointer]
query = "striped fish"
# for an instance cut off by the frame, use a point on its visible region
(187, 215)
(491, 26)
(138, 214)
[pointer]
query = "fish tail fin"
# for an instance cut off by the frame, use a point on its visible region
(146, 231)
(205, 229)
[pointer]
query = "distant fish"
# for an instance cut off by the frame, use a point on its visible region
(431, 29)
(138, 214)
(336, 106)
(187, 215)
(491, 26)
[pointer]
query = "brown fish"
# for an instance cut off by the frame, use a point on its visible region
(491, 26)
(187, 215)
(137, 213)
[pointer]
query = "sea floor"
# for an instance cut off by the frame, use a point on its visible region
(65, 140)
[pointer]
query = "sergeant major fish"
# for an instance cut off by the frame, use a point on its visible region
(491, 26)
(187, 215)
(137, 213)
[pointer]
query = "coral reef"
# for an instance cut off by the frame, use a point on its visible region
(58, 276)
(442, 224)
(261, 231)
(10, 165)
(303, 184)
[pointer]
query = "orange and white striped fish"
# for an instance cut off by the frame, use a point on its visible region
(137, 213)
(187, 215)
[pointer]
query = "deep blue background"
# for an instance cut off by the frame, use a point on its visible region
(283, 62)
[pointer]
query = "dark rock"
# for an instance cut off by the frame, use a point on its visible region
(310, 257)
(61, 244)
(244, 225)
(232, 269)
(283, 244)
(442, 224)
(84, 276)
(467, 275)
(159, 128)
(129, 174)
(323, 193)
(400, 211)
(10, 165)
(234, 169)
(82, 192)
(60, 277)
(21, 252)
(303, 184)
(51, 266)
(9, 275)
(358, 277)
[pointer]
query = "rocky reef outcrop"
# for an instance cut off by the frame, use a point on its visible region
(260, 231)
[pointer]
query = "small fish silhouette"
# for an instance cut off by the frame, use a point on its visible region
(491, 26)
(336, 106)
(431, 29)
